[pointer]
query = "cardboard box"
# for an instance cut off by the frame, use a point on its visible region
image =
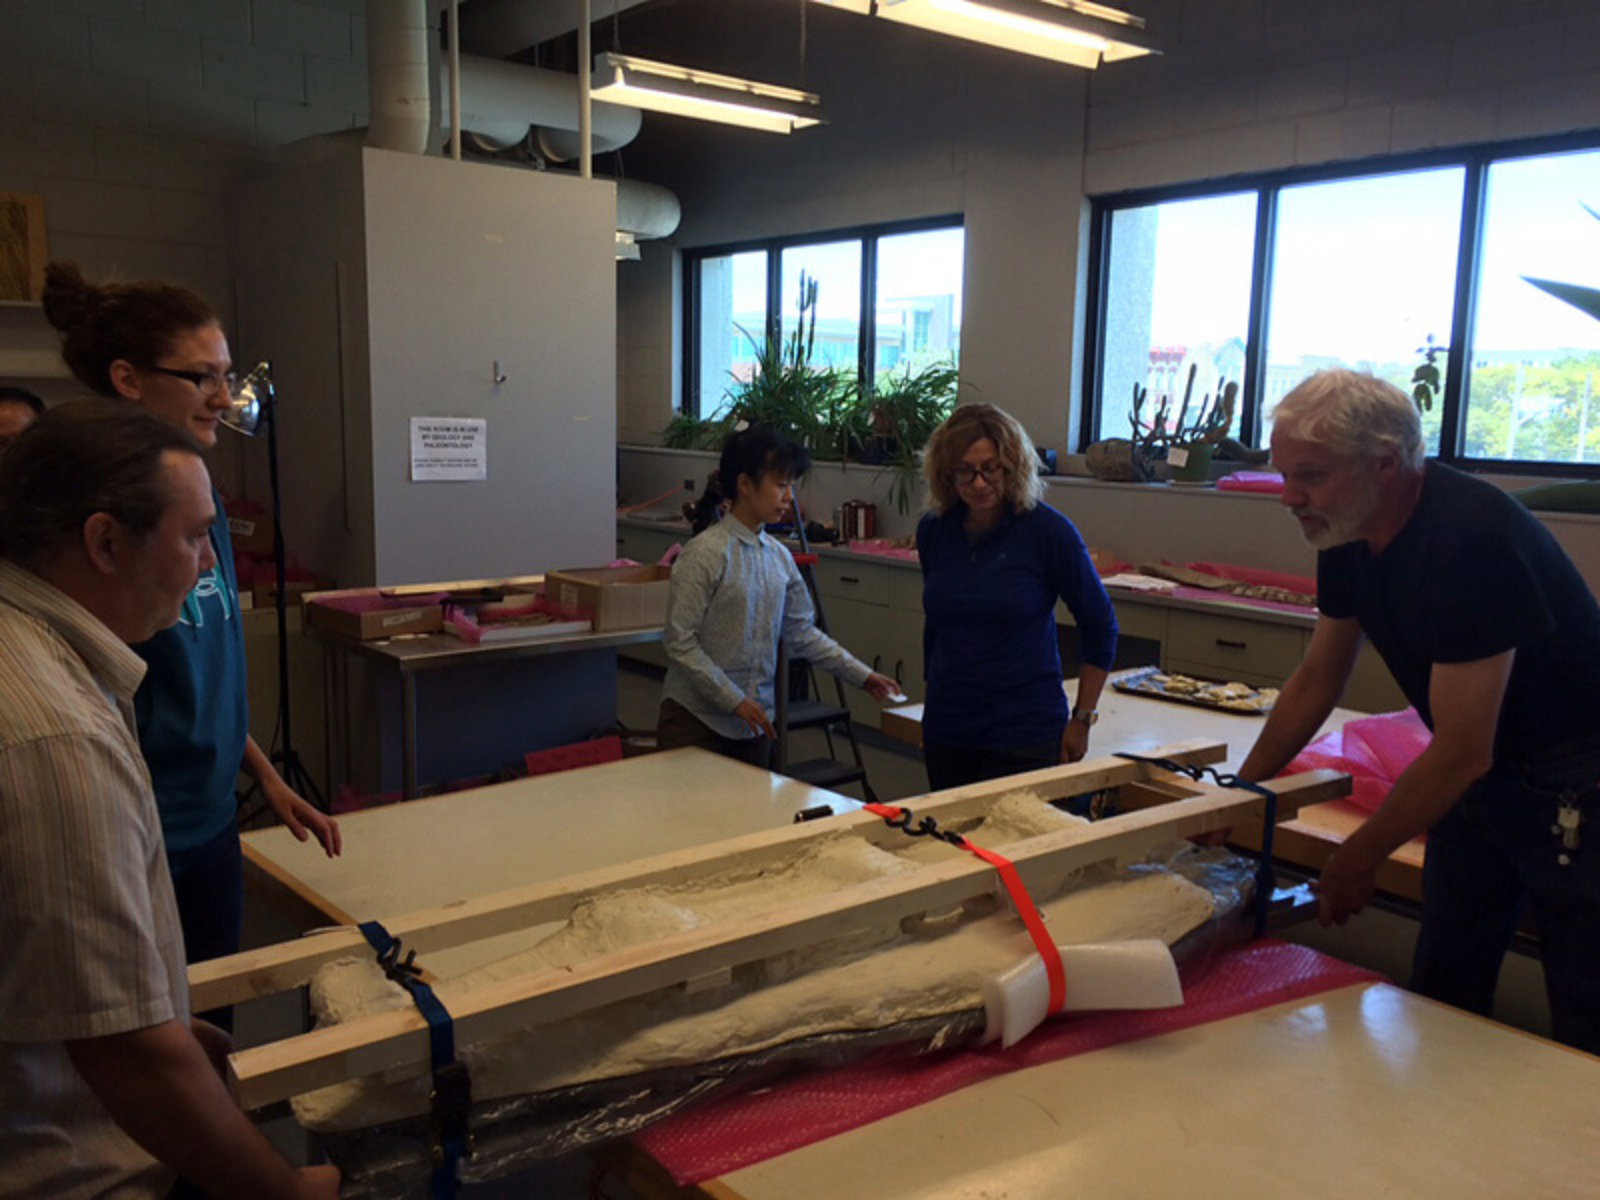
(613, 597)
(366, 615)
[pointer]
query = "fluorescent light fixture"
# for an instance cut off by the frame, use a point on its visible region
(662, 87)
(1078, 32)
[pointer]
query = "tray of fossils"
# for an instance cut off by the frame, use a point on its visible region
(1203, 693)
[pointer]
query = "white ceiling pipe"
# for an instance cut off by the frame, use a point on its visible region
(398, 32)
(646, 210)
(500, 100)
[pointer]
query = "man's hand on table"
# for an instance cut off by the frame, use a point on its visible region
(1345, 886)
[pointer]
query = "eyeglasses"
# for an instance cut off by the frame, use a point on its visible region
(993, 473)
(207, 383)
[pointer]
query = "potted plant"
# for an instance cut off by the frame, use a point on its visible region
(903, 411)
(1190, 444)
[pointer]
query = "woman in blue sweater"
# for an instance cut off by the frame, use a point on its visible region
(994, 562)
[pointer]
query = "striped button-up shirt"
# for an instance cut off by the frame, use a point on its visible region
(88, 924)
(735, 594)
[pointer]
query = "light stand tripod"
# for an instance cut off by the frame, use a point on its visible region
(256, 400)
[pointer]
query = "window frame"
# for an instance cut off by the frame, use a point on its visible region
(1475, 160)
(690, 401)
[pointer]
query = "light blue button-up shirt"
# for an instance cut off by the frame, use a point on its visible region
(735, 593)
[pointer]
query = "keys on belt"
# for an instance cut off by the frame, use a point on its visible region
(1568, 818)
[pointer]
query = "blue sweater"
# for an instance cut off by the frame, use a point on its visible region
(991, 659)
(191, 706)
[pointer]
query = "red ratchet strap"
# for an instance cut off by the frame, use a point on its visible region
(1020, 900)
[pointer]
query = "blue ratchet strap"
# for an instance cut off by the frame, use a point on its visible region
(452, 1086)
(1266, 876)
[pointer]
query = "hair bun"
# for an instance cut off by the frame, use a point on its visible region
(68, 297)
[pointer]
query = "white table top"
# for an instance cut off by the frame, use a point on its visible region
(1363, 1091)
(426, 853)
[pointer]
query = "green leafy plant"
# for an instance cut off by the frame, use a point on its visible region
(901, 414)
(822, 407)
(812, 405)
(1426, 380)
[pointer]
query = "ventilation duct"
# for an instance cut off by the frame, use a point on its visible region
(398, 32)
(500, 100)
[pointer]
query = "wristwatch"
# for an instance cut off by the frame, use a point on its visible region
(1087, 715)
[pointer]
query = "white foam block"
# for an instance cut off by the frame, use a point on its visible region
(1110, 975)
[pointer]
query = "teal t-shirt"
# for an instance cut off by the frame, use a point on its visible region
(192, 711)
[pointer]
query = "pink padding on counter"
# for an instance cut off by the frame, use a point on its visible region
(1251, 481)
(1195, 593)
(725, 1135)
(1373, 751)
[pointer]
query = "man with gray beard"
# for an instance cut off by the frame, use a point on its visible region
(1495, 639)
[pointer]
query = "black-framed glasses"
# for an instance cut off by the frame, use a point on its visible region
(207, 383)
(993, 473)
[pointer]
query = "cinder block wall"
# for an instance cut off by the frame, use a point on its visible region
(133, 117)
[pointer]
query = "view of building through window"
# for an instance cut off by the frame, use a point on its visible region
(836, 266)
(917, 309)
(915, 313)
(1178, 296)
(1363, 273)
(733, 314)
(1535, 361)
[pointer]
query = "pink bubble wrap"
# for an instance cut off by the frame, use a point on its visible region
(1373, 751)
(727, 1134)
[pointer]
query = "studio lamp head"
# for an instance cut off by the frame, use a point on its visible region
(249, 396)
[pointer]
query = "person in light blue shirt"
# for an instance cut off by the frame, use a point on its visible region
(736, 592)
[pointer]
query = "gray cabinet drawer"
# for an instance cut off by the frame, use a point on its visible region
(1231, 647)
(847, 580)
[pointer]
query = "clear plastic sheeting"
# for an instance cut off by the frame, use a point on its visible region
(511, 1134)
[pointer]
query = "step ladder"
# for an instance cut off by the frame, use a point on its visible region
(800, 705)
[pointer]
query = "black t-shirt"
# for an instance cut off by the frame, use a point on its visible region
(1473, 575)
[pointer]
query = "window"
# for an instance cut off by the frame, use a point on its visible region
(733, 303)
(836, 269)
(917, 305)
(1364, 272)
(1180, 286)
(1535, 363)
(1466, 253)
(887, 299)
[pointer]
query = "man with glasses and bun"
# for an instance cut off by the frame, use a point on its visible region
(161, 347)
(108, 1086)
(995, 560)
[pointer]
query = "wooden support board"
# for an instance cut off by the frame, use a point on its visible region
(390, 1041)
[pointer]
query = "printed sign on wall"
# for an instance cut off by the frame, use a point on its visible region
(449, 448)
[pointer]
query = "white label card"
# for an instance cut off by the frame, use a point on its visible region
(444, 448)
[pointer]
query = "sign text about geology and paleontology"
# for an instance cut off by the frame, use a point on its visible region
(449, 448)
